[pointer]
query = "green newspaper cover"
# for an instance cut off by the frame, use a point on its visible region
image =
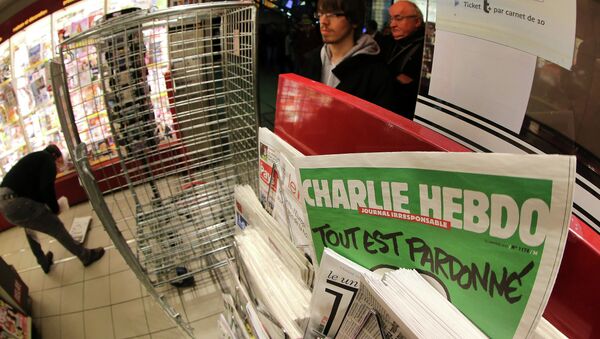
(487, 230)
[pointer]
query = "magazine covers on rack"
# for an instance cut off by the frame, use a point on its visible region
(489, 230)
(13, 324)
(279, 193)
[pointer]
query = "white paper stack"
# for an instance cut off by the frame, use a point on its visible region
(275, 269)
(225, 329)
(284, 296)
(235, 326)
(404, 304)
(79, 228)
(249, 208)
(240, 314)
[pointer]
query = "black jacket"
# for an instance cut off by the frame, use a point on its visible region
(33, 177)
(364, 76)
(405, 56)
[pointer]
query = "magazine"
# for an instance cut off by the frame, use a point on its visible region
(279, 193)
(38, 88)
(13, 324)
(489, 230)
(35, 53)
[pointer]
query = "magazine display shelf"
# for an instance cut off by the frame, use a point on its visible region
(317, 119)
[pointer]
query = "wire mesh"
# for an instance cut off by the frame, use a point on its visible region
(165, 104)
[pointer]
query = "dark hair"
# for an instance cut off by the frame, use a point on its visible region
(372, 25)
(54, 151)
(354, 10)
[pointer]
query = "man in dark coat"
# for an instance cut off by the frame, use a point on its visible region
(28, 199)
(404, 53)
(349, 60)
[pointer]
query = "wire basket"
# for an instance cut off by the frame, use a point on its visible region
(159, 111)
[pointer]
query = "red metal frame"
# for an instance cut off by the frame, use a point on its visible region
(317, 119)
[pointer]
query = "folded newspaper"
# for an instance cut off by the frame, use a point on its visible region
(79, 228)
(248, 210)
(279, 191)
(239, 310)
(489, 230)
(403, 304)
(336, 285)
(276, 272)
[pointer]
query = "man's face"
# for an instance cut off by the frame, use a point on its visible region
(60, 164)
(403, 20)
(335, 28)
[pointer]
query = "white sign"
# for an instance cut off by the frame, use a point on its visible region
(490, 80)
(541, 27)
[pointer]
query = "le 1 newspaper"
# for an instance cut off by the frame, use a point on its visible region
(488, 231)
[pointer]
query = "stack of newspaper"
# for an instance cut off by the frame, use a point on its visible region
(336, 285)
(240, 318)
(482, 229)
(281, 285)
(349, 301)
(279, 189)
(249, 211)
(403, 304)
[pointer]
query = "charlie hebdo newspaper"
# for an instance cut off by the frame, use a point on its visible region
(488, 229)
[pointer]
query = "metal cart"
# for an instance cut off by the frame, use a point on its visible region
(170, 130)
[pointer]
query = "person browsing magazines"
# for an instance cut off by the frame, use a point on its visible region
(28, 199)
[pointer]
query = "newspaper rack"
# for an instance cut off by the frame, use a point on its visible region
(175, 130)
(336, 123)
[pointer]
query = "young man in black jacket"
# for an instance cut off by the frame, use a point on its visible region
(349, 60)
(28, 199)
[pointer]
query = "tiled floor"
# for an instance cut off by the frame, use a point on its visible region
(104, 300)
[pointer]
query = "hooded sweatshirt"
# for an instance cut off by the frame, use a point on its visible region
(361, 72)
(364, 45)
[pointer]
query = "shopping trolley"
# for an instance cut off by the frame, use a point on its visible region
(159, 111)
